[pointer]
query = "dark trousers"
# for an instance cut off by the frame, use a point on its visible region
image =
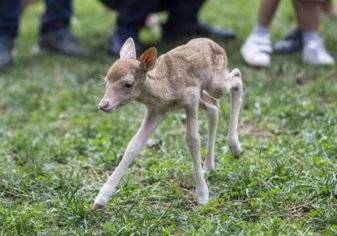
(132, 13)
(56, 16)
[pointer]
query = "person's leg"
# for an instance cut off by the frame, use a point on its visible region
(131, 17)
(292, 42)
(183, 20)
(308, 20)
(9, 17)
(267, 11)
(257, 48)
(54, 31)
(183, 11)
(265, 16)
(9, 20)
(308, 14)
(57, 15)
(132, 13)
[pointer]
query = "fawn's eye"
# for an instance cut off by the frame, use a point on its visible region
(128, 84)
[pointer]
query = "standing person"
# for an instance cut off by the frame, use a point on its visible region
(54, 33)
(293, 42)
(257, 49)
(182, 21)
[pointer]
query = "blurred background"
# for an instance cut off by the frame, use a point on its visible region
(56, 149)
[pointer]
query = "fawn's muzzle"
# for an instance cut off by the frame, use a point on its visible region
(104, 106)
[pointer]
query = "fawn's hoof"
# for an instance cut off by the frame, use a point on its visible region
(97, 206)
(235, 149)
(202, 196)
(202, 200)
(236, 152)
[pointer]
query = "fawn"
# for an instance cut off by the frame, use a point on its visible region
(189, 76)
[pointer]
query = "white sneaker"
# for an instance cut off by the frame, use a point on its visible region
(315, 53)
(256, 50)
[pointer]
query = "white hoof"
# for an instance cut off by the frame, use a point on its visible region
(202, 200)
(97, 206)
(100, 200)
(202, 196)
(234, 146)
(235, 149)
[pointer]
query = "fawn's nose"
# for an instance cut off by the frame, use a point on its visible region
(104, 105)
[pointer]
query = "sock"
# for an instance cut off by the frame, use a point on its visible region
(261, 30)
(309, 36)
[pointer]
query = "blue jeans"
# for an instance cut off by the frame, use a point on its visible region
(56, 16)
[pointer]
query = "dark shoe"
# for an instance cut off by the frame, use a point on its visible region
(196, 29)
(6, 57)
(62, 42)
(118, 38)
(293, 42)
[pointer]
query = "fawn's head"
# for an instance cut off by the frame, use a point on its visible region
(125, 77)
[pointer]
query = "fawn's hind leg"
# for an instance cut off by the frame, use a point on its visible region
(221, 84)
(234, 84)
(211, 105)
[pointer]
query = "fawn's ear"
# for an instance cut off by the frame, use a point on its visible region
(148, 59)
(128, 50)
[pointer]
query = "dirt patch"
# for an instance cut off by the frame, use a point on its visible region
(262, 135)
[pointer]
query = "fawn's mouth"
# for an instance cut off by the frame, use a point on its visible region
(116, 106)
(111, 109)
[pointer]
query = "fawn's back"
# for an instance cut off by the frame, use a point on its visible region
(191, 65)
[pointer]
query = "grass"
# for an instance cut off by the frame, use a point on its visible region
(56, 150)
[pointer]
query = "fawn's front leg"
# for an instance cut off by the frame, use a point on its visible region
(137, 143)
(193, 142)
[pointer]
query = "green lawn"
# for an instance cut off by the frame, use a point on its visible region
(56, 149)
